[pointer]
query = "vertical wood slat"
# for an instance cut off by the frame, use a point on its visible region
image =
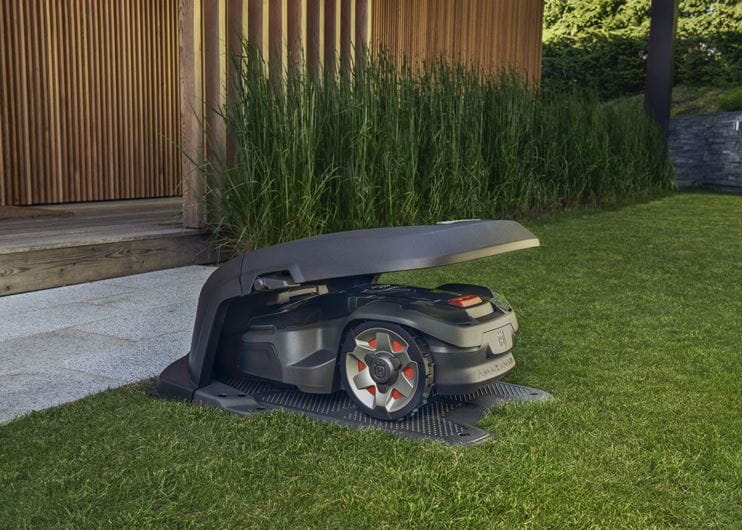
(22, 102)
(140, 148)
(36, 103)
(235, 29)
(255, 23)
(235, 10)
(64, 97)
(156, 124)
(97, 89)
(149, 175)
(88, 100)
(312, 49)
(111, 104)
(331, 32)
(85, 184)
(5, 130)
(71, 31)
(214, 77)
(275, 39)
(52, 52)
(3, 107)
(488, 34)
(191, 111)
(293, 35)
(171, 74)
(129, 104)
(361, 29)
(346, 32)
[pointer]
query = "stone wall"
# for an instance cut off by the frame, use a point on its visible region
(707, 150)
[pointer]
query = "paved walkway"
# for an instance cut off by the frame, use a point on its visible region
(59, 345)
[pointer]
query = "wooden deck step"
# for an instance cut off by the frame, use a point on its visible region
(101, 240)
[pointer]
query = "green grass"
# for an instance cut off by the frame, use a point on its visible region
(688, 100)
(695, 100)
(629, 315)
(388, 146)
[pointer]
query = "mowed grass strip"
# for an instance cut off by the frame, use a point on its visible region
(630, 316)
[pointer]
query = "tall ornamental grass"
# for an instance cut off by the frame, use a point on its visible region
(387, 146)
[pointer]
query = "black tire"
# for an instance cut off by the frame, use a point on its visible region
(413, 375)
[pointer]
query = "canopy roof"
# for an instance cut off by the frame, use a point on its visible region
(379, 250)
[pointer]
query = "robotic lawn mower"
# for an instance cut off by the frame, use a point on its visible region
(309, 315)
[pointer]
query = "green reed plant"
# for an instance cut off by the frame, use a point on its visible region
(386, 145)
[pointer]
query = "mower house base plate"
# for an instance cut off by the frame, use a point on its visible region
(449, 419)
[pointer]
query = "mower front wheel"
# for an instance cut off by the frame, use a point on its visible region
(385, 370)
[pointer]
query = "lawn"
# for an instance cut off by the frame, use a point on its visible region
(630, 316)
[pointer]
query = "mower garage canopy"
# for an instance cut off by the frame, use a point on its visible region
(241, 287)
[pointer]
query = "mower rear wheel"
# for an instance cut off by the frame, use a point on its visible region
(386, 370)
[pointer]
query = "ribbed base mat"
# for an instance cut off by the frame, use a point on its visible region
(449, 419)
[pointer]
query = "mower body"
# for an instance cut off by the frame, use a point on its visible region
(299, 336)
(288, 314)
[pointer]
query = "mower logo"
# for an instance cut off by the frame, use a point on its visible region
(501, 338)
(379, 370)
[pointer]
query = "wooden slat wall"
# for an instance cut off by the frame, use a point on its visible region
(490, 34)
(318, 33)
(89, 89)
(88, 100)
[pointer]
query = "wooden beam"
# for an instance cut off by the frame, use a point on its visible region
(35, 269)
(191, 114)
(658, 92)
(214, 75)
(214, 65)
(235, 35)
(100, 240)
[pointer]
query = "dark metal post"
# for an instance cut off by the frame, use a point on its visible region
(658, 91)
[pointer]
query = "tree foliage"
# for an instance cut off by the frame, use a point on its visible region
(602, 44)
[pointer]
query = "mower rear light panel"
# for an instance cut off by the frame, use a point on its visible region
(467, 300)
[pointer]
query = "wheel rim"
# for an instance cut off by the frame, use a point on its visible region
(379, 370)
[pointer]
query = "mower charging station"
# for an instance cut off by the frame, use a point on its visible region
(305, 327)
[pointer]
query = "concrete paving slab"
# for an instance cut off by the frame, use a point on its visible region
(52, 318)
(62, 344)
(133, 361)
(10, 305)
(145, 323)
(24, 392)
(137, 300)
(55, 348)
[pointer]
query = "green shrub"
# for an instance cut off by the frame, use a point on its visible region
(387, 147)
(612, 66)
(731, 100)
(603, 44)
(696, 100)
